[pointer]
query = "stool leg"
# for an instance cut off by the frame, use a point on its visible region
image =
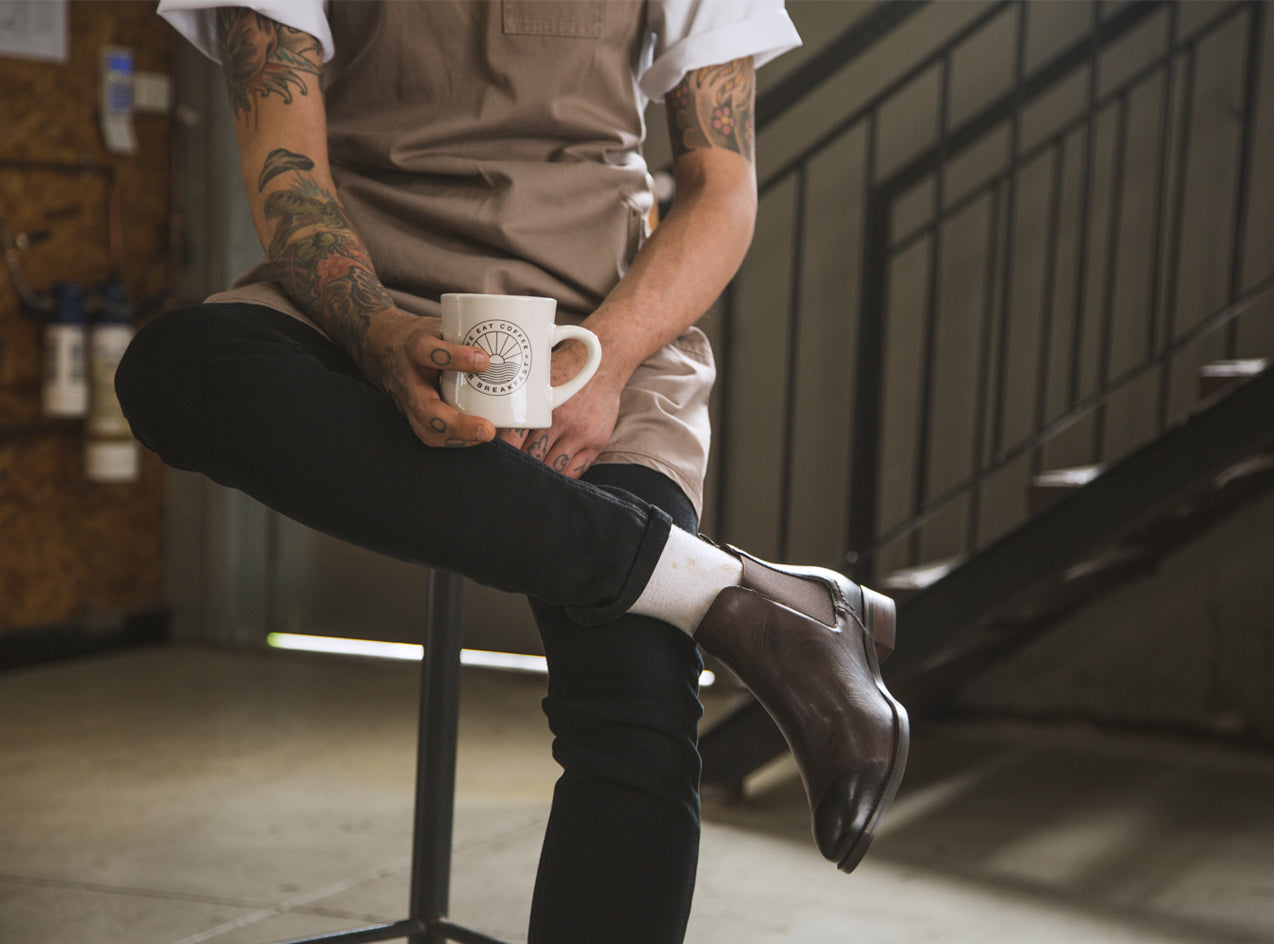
(436, 758)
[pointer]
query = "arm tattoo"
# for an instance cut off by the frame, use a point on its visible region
(280, 161)
(317, 256)
(263, 58)
(713, 107)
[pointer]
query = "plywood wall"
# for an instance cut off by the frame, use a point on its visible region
(71, 550)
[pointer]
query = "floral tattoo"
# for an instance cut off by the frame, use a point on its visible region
(263, 58)
(316, 253)
(713, 107)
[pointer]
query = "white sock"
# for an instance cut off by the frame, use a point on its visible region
(687, 578)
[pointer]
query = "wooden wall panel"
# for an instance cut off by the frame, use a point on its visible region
(72, 550)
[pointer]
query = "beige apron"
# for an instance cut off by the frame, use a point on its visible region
(495, 147)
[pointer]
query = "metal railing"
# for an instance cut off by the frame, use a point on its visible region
(1025, 292)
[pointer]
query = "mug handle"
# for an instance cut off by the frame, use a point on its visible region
(564, 392)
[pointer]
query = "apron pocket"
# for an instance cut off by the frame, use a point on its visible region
(582, 18)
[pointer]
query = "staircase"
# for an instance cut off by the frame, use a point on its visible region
(1108, 528)
(1081, 528)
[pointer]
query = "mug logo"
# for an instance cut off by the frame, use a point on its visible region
(510, 351)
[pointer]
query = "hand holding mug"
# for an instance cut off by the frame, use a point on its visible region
(518, 334)
(404, 355)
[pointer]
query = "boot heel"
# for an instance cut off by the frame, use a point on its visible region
(881, 619)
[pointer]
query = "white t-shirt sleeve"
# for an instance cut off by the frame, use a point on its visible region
(197, 20)
(692, 34)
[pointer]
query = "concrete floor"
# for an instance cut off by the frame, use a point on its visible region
(174, 796)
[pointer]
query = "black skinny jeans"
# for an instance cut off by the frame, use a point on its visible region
(257, 401)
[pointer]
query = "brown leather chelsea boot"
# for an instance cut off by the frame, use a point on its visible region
(805, 642)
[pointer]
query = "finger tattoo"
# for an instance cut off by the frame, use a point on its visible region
(440, 357)
(437, 424)
(561, 462)
(539, 449)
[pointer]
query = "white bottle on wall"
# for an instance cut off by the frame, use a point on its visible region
(111, 453)
(65, 333)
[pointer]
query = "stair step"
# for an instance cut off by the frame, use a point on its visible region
(905, 583)
(1103, 563)
(1222, 375)
(1079, 583)
(1050, 487)
(1260, 464)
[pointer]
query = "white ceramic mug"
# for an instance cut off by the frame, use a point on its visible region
(518, 334)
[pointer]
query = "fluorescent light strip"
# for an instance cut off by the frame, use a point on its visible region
(346, 647)
(511, 661)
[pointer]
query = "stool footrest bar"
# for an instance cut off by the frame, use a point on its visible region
(375, 932)
(461, 935)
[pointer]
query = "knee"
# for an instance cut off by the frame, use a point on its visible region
(154, 380)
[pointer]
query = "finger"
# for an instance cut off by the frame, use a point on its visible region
(514, 437)
(571, 463)
(437, 423)
(431, 351)
(537, 444)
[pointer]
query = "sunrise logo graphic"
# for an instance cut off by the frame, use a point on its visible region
(510, 351)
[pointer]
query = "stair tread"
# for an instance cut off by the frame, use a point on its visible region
(1048, 488)
(920, 576)
(1240, 367)
(1252, 465)
(1074, 477)
(1105, 560)
(1219, 376)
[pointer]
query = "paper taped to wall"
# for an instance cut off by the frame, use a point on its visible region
(33, 29)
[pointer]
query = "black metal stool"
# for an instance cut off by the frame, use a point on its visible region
(426, 922)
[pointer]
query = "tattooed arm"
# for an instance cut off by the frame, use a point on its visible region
(680, 271)
(272, 76)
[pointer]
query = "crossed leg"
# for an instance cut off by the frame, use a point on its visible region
(263, 403)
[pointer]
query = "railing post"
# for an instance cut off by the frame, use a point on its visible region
(1247, 144)
(869, 379)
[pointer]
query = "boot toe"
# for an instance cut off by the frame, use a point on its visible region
(842, 818)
